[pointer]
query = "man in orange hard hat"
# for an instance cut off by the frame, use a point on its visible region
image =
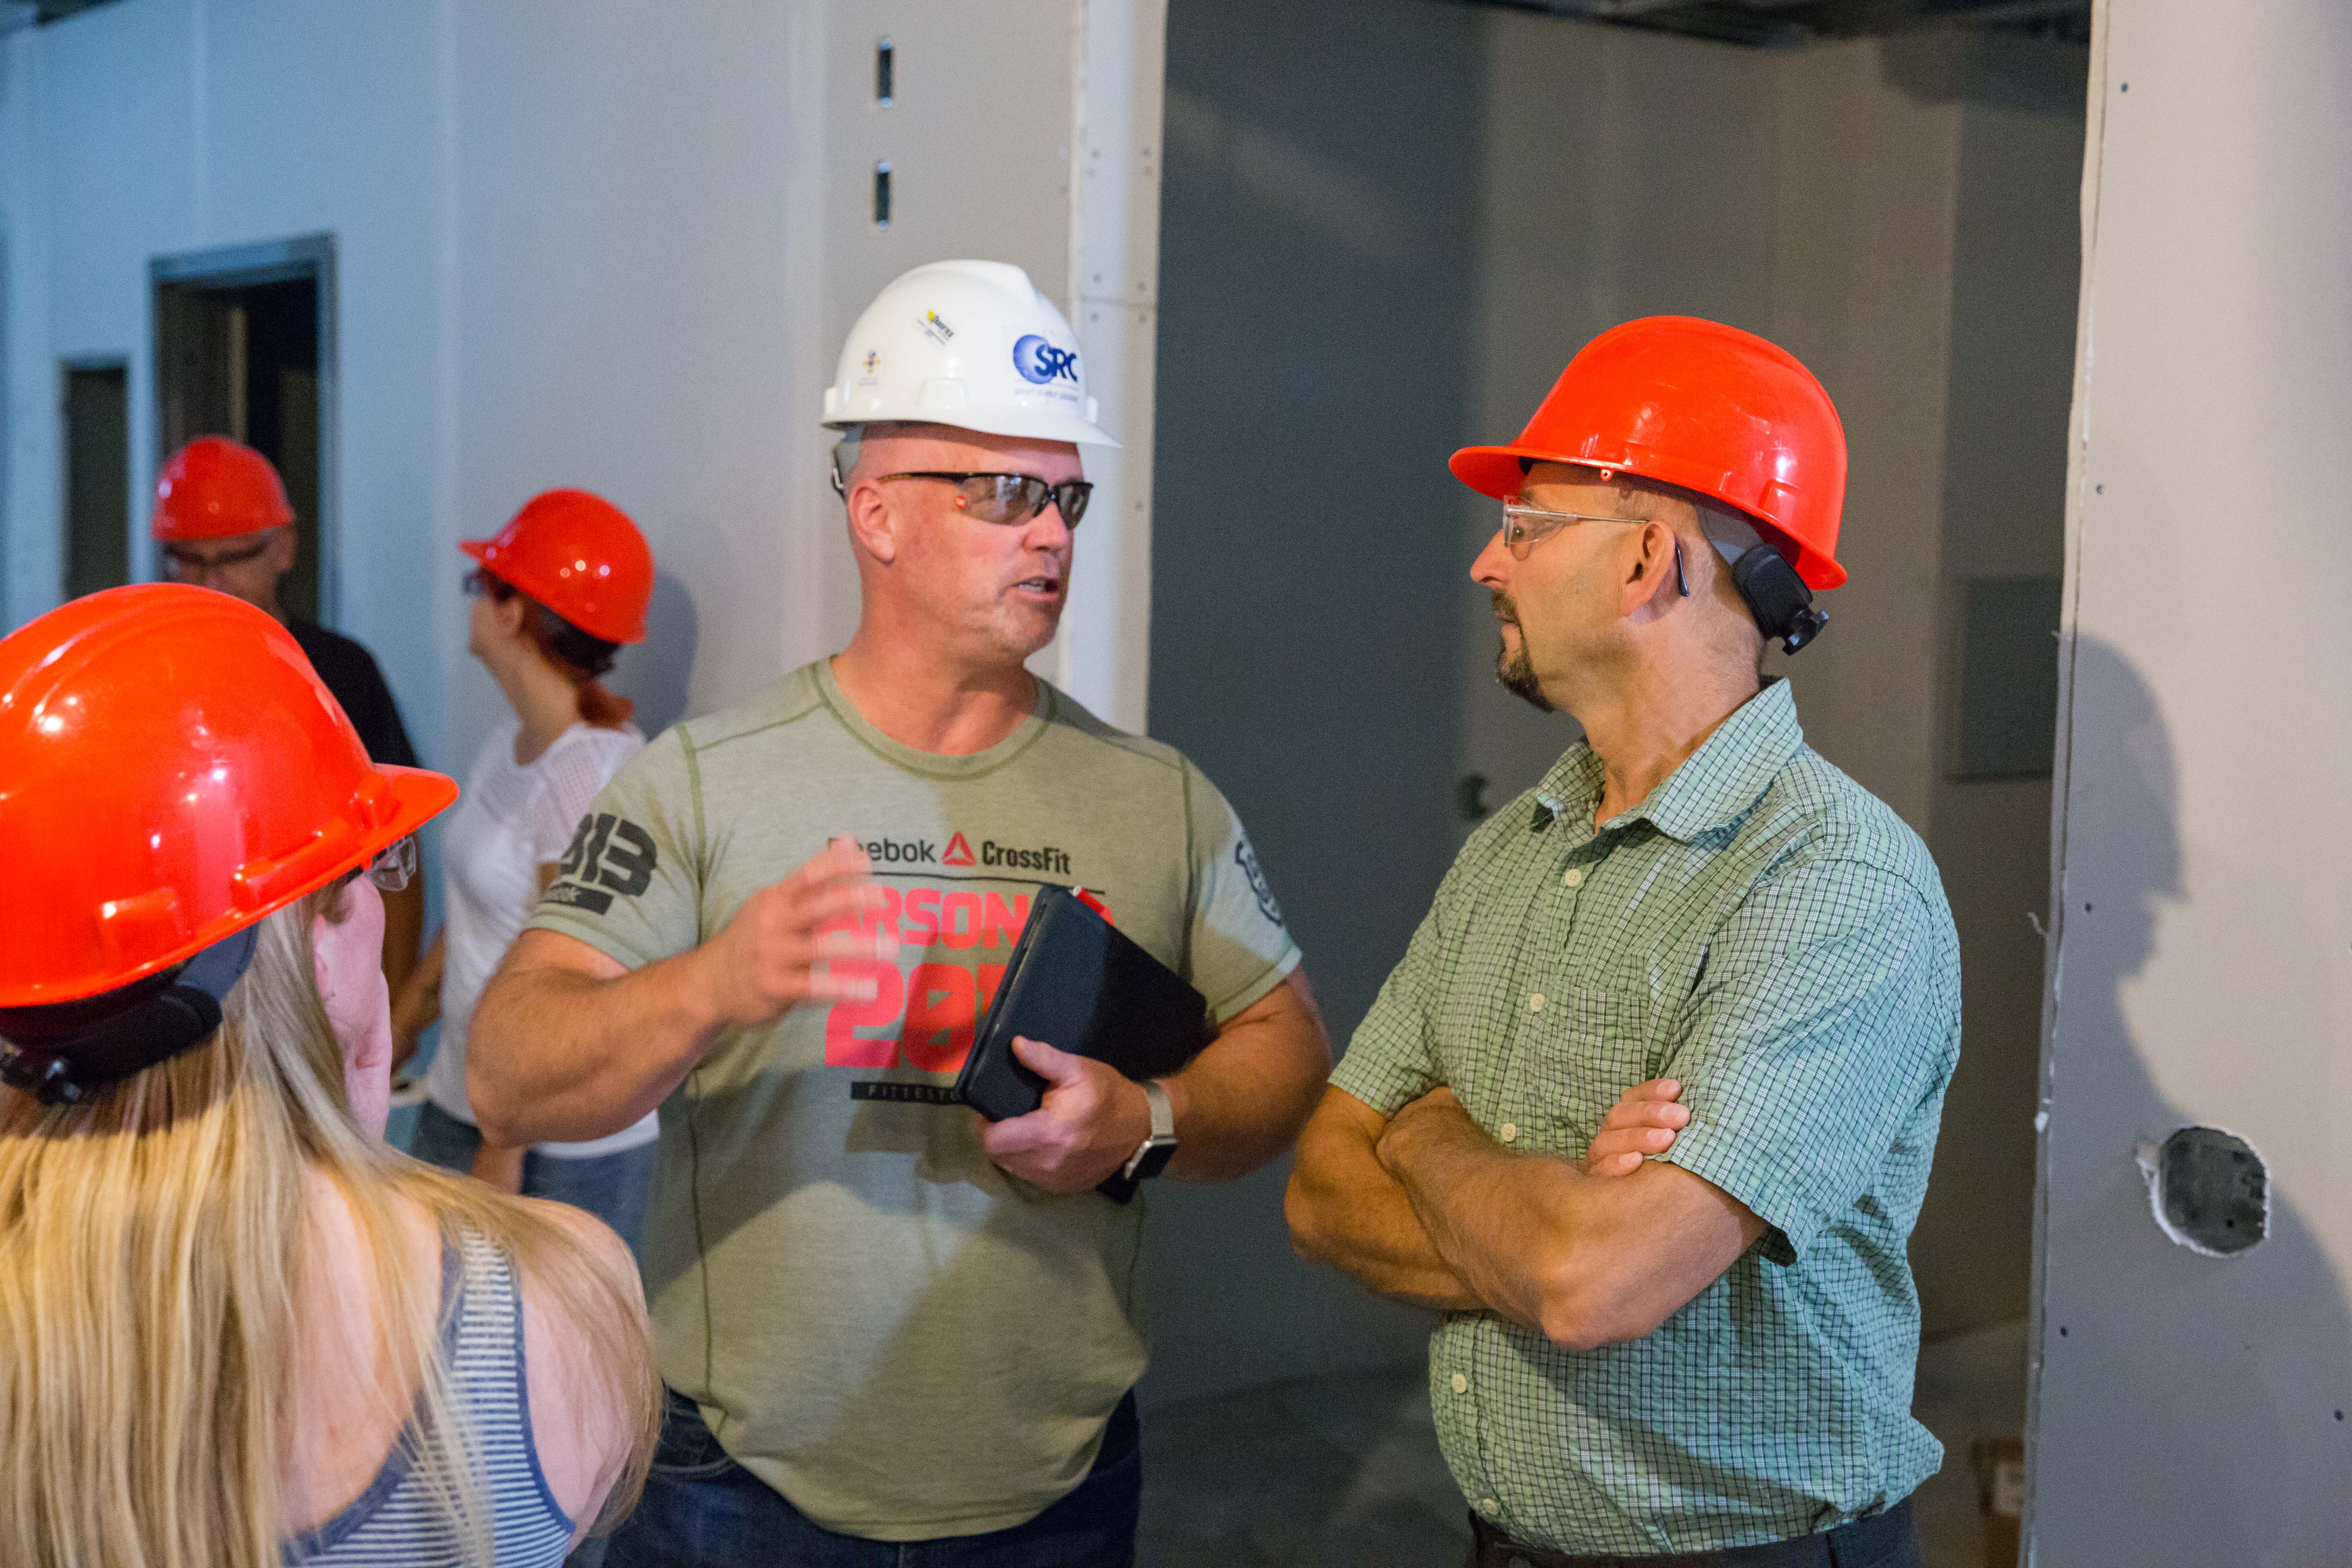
(222, 521)
(1648, 1106)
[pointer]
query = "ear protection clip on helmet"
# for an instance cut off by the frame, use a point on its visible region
(1767, 585)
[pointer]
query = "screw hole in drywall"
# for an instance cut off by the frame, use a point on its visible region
(2209, 1189)
(2061, 1330)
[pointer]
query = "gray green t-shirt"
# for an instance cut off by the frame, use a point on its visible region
(876, 1321)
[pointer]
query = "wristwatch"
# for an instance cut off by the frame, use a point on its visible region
(1151, 1156)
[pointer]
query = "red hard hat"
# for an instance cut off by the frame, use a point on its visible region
(581, 556)
(1701, 405)
(171, 770)
(214, 488)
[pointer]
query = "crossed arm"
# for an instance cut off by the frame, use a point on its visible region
(1426, 1207)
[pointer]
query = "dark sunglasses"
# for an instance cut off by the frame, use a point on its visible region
(188, 560)
(1011, 497)
(481, 583)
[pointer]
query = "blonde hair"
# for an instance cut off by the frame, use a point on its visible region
(154, 1236)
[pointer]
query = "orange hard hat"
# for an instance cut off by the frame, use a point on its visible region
(581, 556)
(171, 770)
(214, 488)
(1700, 405)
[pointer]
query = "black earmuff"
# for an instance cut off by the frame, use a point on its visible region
(1777, 597)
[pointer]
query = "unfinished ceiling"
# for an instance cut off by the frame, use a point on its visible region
(15, 13)
(1786, 24)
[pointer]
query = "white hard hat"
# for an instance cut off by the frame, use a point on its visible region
(967, 343)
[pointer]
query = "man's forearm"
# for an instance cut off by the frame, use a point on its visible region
(1346, 1211)
(1244, 1099)
(556, 1055)
(1488, 1213)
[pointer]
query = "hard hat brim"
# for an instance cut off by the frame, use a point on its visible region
(1499, 471)
(1039, 425)
(418, 796)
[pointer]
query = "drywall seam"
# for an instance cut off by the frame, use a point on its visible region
(2069, 617)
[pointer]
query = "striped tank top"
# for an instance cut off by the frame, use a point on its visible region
(395, 1520)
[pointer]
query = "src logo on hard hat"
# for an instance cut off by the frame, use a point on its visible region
(1040, 361)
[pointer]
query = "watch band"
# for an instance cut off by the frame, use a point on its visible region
(1151, 1156)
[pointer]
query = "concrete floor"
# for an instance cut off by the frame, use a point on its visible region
(1345, 1472)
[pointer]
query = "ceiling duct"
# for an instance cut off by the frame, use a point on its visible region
(1790, 24)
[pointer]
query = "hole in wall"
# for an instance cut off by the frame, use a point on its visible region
(881, 195)
(2210, 1190)
(886, 74)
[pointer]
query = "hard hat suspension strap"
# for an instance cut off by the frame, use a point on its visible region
(59, 1054)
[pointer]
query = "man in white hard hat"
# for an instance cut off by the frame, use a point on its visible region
(882, 1320)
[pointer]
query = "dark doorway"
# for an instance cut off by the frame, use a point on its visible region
(97, 398)
(243, 348)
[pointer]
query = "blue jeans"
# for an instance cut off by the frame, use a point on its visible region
(615, 1188)
(702, 1510)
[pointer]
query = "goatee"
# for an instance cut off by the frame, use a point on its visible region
(1514, 669)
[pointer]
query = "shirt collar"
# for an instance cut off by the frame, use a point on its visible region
(1714, 786)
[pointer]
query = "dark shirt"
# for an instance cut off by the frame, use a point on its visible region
(350, 673)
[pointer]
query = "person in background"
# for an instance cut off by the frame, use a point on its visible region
(895, 1334)
(221, 520)
(236, 1329)
(1648, 1106)
(554, 596)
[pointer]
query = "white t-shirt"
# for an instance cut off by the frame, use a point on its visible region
(511, 820)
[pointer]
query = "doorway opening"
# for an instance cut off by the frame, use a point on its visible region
(95, 396)
(244, 348)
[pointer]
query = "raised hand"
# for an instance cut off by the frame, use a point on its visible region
(1643, 1123)
(773, 955)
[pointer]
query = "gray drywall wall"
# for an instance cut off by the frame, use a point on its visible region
(2194, 1410)
(1357, 279)
(1315, 365)
(2014, 268)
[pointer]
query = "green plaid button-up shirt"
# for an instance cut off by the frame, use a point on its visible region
(1766, 932)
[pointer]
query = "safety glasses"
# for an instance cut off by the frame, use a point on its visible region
(1011, 499)
(395, 866)
(1525, 527)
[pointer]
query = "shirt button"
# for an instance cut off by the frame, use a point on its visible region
(1460, 1383)
(1535, 1002)
(1508, 1132)
(1488, 1505)
(1572, 878)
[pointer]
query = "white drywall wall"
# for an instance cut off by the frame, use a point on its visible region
(613, 243)
(2193, 1410)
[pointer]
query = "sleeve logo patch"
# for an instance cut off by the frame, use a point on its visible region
(607, 855)
(1247, 858)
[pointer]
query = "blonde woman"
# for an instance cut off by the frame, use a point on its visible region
(555, 595)
(234, 1327)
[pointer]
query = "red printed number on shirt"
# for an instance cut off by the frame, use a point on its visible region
(923, 1017)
